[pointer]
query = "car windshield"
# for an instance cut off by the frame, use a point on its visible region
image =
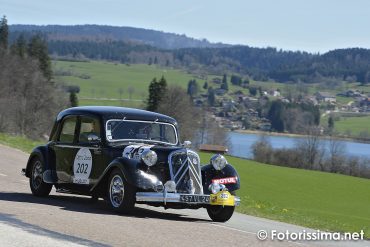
(134, 130)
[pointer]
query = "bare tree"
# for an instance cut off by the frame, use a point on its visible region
(336, 150)
(311, 149)
(262, 150)
(130, 91)
(29, 101)
(120, 92)
(177, 104)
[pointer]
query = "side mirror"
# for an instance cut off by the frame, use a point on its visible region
(93, 138)
(187, 144)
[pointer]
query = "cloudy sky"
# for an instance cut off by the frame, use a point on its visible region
(315, 25)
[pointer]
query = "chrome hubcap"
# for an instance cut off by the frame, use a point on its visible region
(37, 175)
(116, 191)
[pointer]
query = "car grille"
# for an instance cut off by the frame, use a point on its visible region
(185, 171)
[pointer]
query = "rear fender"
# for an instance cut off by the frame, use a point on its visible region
(40, 152)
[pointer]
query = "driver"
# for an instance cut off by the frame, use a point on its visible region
(88, 128)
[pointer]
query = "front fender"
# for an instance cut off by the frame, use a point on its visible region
(209, 173)
(134, 173)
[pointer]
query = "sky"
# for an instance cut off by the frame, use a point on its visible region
(307, 25)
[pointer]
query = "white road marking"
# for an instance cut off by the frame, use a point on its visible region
(3, 175)
(231, 228)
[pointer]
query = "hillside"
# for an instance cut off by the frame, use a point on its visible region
(139, 46)
(153, 38)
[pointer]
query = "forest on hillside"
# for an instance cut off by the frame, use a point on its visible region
(134, 45)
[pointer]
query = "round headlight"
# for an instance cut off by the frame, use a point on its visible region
(149, 157)
(218, 161)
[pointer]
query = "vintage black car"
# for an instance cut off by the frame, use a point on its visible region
(129, 156)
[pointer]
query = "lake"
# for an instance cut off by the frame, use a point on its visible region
(241, 144)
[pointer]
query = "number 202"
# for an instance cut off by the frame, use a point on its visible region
(82, 168)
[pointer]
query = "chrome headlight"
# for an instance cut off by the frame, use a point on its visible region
(149, 157)
(216, 187)
(218, 161)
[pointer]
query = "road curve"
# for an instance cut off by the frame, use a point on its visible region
(69, 220)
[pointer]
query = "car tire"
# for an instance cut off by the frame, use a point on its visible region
(120, 194)
(220, 213)
(37, 184)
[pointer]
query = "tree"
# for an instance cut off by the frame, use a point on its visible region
(311, 148)
(4, 33)
(130, 91)
(224, 84)
(205, 85)
(27, 101)
(211, 97)
(336, 150)
(236, 80)
(193, 88)
(156, 92)
(253, 91)
(276, 115)
(73, 99)
(331, 123)
(176, 103)
(20, 46)
(120, 92)
(262, 150)
(37, 48)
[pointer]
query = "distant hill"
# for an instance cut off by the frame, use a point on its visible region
(154, 38)
(137, 45)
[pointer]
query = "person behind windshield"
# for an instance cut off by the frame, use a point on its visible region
(89, 127)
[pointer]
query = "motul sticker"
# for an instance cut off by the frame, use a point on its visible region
(229, 180)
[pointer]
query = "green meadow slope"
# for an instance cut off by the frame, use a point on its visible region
(101, 82)
(309, 198)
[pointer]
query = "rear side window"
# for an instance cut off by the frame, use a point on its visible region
(68, 130)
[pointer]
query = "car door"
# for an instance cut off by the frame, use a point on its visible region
(89, 162)
(65, 149)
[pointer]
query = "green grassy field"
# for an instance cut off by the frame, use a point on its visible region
(356, 125)
(100, 81)
(106, 80)
(308, 198)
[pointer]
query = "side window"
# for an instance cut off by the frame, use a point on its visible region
(68, 130)
(89, 126)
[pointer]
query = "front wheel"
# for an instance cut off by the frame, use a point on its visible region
(121, 195)
(37, 184)
(220, 213)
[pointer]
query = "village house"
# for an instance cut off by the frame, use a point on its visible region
(325, 97)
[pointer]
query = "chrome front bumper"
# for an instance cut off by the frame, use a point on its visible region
(171, 198)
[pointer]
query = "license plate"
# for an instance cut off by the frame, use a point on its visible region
(194, 199)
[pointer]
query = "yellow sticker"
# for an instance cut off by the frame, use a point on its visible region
(223, 198)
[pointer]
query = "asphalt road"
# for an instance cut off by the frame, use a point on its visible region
(68, 220)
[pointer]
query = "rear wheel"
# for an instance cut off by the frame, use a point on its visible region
(121, 195)
(37, 184)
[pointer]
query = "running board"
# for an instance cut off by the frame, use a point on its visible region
(64, 191)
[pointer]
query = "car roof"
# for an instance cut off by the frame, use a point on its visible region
(109, 112)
